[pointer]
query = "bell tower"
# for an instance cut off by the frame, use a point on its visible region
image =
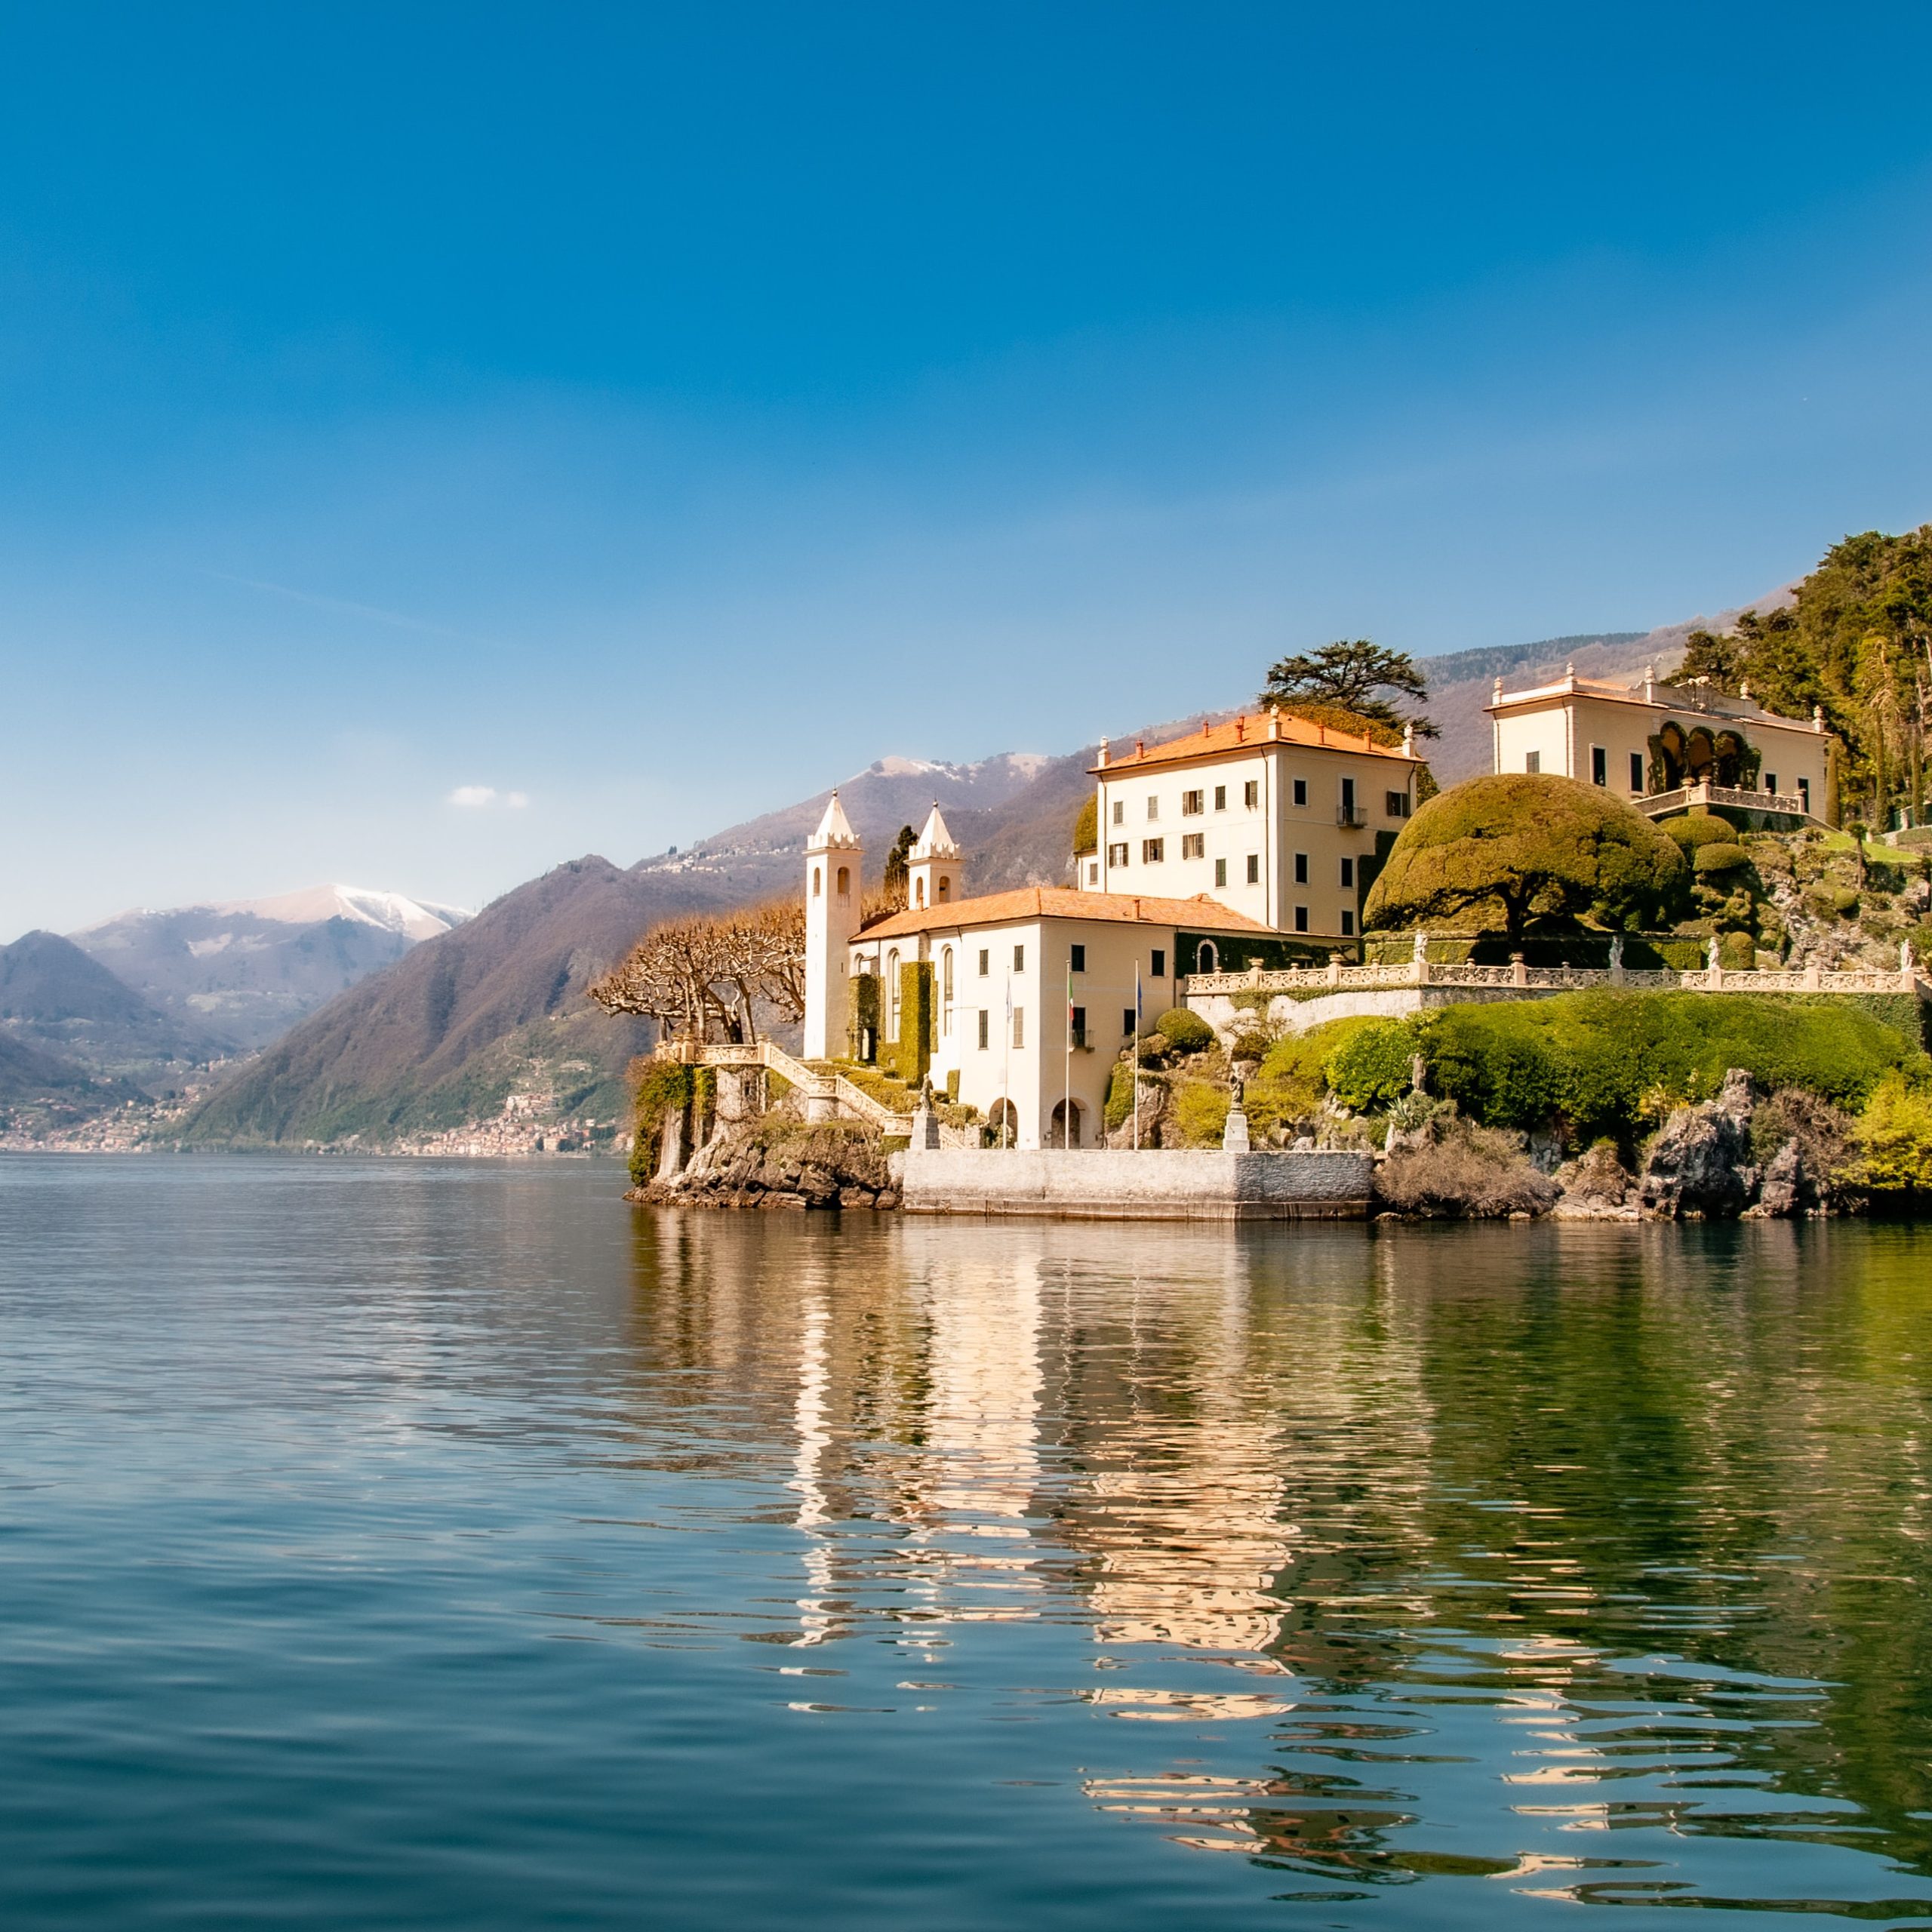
(932, 866)
(832, 854)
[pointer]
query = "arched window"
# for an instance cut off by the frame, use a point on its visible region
(844, 881)
(892, 995)
(945, 971)
(945, 886)
(1205, 960)
(919, 892)
(818, 881)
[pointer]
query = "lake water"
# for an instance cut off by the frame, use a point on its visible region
(451, 1545)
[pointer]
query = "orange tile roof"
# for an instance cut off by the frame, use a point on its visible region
(1060, 902)
(1245, 732)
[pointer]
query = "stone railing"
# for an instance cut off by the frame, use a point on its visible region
(1790, 803)
(825, 1094)
(1307, 982)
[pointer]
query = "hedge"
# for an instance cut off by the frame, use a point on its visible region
(1186, 1033)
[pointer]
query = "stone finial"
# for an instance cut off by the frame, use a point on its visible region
(1650, 680)
(1817, 717)
(1408, 737)
(1496, 690)
(1570, 669)
(1102, 759)
(1274, 721)
(1744, 693)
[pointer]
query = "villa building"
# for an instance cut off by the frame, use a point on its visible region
(1245, 843)
(1659, 744)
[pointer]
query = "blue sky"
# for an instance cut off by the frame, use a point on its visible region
(652, 416)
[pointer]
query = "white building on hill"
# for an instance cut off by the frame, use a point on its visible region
(1244, 844)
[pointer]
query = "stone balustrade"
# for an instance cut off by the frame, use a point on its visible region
(1309, 982)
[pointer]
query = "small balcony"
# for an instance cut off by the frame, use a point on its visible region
(1350, 818)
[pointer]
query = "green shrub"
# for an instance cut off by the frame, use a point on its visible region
(1120, 1095)
(1186, 1032)
(1518, 852)
(1370, 1068)
(1894, 1136)
(1698, 829)
(1293, 1079)
(1201, 1112)
(1594, 1059)
(662, 1084)
(1719, 857)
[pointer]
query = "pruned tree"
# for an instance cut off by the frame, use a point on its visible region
(1353, 676)
(707, 975)
(1519, 852)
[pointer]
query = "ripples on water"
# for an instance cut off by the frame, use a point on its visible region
(452, 1546)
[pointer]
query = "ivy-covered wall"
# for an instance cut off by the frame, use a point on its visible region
(911, 1054)
(863, 1027)
(1235, 951)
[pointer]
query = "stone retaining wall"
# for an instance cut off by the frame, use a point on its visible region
(1120, 1184)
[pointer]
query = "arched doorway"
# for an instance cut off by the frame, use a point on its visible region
(1206, 960)
(1003, 1124)
(1059, 1133)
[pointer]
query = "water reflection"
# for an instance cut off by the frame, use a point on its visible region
(1590, 1564)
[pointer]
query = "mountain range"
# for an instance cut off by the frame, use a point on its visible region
(373, 1019)
(495, 1008)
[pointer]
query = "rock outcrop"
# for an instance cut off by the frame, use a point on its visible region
(780, 1162)
(1699, 1166)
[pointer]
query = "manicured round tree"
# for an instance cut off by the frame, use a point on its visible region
(1520, 853)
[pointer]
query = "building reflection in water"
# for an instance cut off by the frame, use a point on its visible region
(1428, 1499)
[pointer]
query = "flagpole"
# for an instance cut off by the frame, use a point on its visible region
(1137, 1055)
(1066, 1104)
(1006, 1076)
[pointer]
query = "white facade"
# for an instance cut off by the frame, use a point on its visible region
(1271, 816)
(832, 857)
(1033, 1006)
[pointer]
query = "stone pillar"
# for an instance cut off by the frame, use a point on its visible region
(925, 1120)
(1334, 969)
(1519, 973)
(1811, 973)
(671, 1149)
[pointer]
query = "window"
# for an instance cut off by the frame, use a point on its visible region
(1301, 869)
(1533, 761)
(1301, 791)
(1397, 804)
(1152, 851)
(986, 962)
(983, 1017)
(1220, 872)
(1348, 802)
(1153, 806)
(844, 881)
(1301, 918)
(1159, 962)
(1770, 781)
(1637, 772)
(892, 995)
(1205, 959)
(817, 882)
(1194, 845)
(1019, 1026)
(1347, 872)
(1250, 793)
(1077, 1025)
(1126, 1021)
(1220, 797)
(1191, 804)
(1599, 765)
(1348, 924)
(1254, 869)
(1019, 959)
(1094, 872)
(1120, 811)
(1077, 959)
(945, 974)
(1117, 855)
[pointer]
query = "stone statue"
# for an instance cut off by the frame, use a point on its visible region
(1616, 952)
(1421, 953)
(1714, 955)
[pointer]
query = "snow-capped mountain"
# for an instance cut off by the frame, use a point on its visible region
(243, 971)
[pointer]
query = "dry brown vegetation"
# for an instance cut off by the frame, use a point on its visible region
(705, 978)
